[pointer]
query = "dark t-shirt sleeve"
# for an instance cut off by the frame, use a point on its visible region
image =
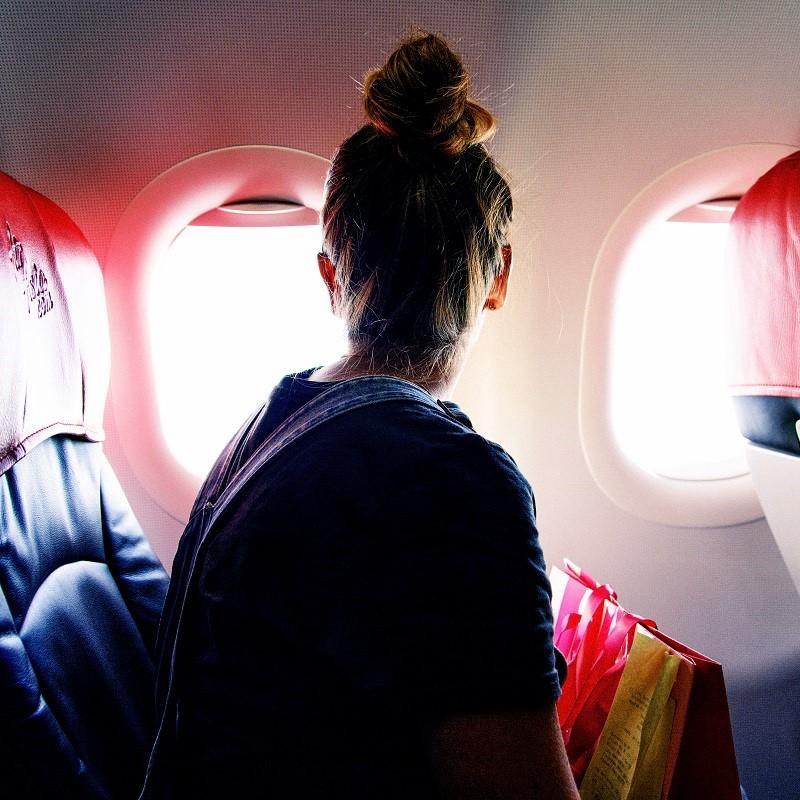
(451, 612)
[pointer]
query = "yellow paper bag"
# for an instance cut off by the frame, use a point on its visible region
(631, 756)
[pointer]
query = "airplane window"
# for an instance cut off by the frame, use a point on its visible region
(670, 407)
(214, 294)
(233, 309)
(656, 425)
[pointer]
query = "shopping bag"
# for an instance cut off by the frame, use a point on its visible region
(631, 760)
(704, 756)
(595, 635)
(681, 747)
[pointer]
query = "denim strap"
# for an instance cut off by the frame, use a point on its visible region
(217, 493)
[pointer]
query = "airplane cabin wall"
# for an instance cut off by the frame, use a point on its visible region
(594, 101)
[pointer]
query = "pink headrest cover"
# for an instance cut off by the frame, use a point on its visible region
(765, 296)
(54, 351)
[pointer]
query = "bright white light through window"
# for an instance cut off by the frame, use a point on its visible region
(670, 408)
(232, 310)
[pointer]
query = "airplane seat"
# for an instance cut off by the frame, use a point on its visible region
(764, 333)
(81, 590)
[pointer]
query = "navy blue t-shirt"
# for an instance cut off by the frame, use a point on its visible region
(385, 572)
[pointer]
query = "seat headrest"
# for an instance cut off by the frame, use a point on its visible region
(54, 350)
(765, 285)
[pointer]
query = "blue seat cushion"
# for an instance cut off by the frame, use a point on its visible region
(80, 596)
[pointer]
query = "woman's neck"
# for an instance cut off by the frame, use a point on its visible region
(440, 385)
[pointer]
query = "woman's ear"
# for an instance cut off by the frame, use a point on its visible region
(328, 273)
(497, 294)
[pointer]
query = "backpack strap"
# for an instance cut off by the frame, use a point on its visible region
(344, 396)
(218, 491)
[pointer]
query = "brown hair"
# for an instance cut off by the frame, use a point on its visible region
(416, 213)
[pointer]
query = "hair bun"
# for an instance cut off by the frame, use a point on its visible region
(421, 95)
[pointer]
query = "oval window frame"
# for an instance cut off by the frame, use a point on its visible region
(713, 503)
(146, 229)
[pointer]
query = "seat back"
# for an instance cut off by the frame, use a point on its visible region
(81, 590)
(765, 345)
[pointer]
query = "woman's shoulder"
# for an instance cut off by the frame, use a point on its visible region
(407, 424)
(438, 443)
